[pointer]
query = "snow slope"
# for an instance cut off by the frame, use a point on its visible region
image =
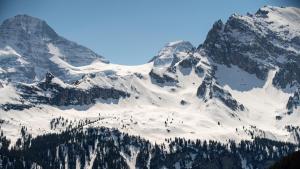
(157, 113)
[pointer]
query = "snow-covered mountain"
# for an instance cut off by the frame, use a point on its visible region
(29, 48)
(241, 83)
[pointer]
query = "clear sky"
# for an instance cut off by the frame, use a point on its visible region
(132, 31)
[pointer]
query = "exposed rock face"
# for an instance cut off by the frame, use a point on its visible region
(162, 80)
(73, 96)
(202, 89)
(258, 42)
(209, 89)
(189, 62)
(48, 78)
(295, 131)
(288, 75)
(48, 92)
(199, 70)
(226, 98)
(293, 103)
(11, 106)
(224, 48)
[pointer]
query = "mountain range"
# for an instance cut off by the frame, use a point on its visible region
(242, 83)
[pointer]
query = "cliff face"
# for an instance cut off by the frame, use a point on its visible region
(268, 39)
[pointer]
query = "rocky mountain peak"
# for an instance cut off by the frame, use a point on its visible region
(256, 43)
(37, 48)
(172, 52)
(28, 25)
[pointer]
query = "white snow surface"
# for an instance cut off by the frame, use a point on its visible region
(237, 79)
(8, 52)
(8, 93)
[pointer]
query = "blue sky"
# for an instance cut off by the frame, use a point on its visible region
(132, 31)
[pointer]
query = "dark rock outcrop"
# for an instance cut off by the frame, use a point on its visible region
(226, 49)
(204, 87)
(293, 102)
(295, 132)
(199, 71)
(74, 96)
(208, 90)
(189, 62)
(11, 106)
(47, 92)
(164, 80)
(288, 74)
